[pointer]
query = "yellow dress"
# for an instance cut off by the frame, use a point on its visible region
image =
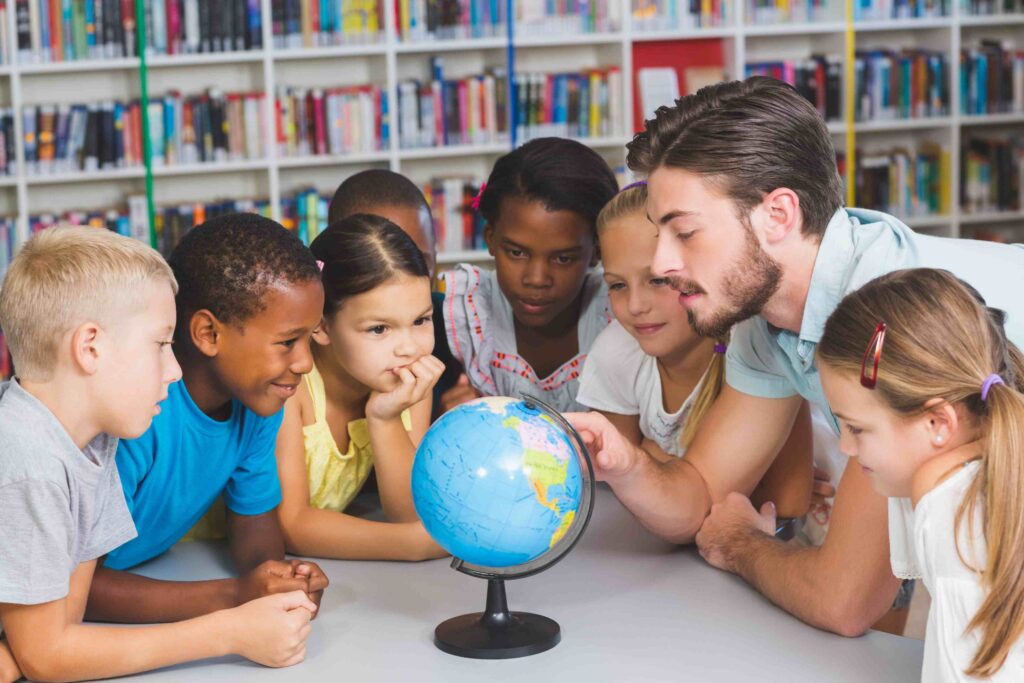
(335, 477)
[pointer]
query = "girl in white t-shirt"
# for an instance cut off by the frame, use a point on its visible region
(928, 394)
(648, 372)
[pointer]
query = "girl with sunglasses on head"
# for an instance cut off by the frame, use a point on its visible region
(928, 395)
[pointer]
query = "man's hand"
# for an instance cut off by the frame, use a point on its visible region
(730, 523)
(9, 671)
(612, 454)
(278, 576)
(462, 392)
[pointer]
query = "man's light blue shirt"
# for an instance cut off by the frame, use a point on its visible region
(858, 246)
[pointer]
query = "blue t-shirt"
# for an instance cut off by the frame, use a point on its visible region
(174, 472)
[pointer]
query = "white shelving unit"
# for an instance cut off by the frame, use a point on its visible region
(390, 61)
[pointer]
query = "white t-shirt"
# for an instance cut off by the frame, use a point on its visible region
(955, 589)
(618, 377)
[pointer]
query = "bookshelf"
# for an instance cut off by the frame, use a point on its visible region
(386, 60)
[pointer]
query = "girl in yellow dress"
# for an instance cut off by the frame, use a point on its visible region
(366, 404)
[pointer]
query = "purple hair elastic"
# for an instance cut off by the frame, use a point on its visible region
(639, 183)
(719, 348)
(987, 385)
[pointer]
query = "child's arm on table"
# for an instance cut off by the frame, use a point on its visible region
(789, 480)
(310, 531)
(393, 447)
(123, 597)
(51, 644)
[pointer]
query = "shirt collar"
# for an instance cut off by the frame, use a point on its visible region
(836, 254)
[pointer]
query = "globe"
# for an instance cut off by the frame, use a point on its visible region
(506, 486)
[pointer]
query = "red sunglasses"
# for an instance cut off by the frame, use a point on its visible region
(874, 349)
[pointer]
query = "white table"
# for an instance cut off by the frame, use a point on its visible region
(631, 608)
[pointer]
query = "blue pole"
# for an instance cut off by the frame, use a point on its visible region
(513, 100)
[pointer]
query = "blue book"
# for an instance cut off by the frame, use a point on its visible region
(385, 121)
(982, 79)
(44, 31)
(90, 29)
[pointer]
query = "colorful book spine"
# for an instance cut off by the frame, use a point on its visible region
(322, 23)
(890, 85)
(907, 183)
(563, 17)
(992, 7)
(457, 225)
(333, 121)
(73, 30)
(679, 15)
(206, 128)
(991, 79)
(992, 174)
(880, 10)
(818, 78)
(442, 111)
(450, 19)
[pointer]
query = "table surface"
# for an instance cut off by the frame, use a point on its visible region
(631, 608)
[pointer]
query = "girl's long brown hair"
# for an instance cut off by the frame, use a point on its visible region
(632, 203)
(943, 342)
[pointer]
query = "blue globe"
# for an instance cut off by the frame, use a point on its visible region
(498, 482)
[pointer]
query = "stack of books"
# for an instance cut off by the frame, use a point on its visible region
(323, 23)
(992, 174)
(444, 112)
(904, 182)
(424, 20)
(991, 79)
(908, 84)
(72, 30)
(332, 121)
(212, 127)
(818, 78)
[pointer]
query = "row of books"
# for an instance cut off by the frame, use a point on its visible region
(679, 15)
(334, 121)
(879, 10)
(566, 16)
(769, 12)
(992, 174)
(212, 127)
(420, 20)
(989, 7)
(991, 79)
(912, 83)
(574, 105)
(470, 110)
(323, 23)
(818, 78)
(905, 182)
(71, 30)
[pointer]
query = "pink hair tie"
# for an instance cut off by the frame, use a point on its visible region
(320, 266)
(987, 385)
(719, 348)
(639, 183)
(475, 201)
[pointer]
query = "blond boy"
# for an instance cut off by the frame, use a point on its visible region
(89, 317)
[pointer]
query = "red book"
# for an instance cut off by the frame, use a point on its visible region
(173, 27)
(56, 30)
(314, 15)
(463, 112)
(547, 111)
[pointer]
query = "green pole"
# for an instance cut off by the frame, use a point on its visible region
(147, 149)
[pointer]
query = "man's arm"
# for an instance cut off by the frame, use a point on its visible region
(737, 441)
(844, 586)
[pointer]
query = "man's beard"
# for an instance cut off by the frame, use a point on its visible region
(752, 282)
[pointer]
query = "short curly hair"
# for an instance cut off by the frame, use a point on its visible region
(227, 264)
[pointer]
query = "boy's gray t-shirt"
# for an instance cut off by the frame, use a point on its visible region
(60, 505)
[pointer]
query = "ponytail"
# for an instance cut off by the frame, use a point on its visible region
(710, 388)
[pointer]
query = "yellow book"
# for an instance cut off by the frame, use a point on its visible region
(372, 25)
(595, 104)
(306, 21)
(403, 16)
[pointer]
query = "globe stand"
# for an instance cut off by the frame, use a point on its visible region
(497, 633)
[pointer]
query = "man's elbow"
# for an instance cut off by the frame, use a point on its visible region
(853, 617)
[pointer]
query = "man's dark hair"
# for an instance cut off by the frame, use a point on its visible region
(561, 174)
(227, 264)
(369, 189)
(749, 138)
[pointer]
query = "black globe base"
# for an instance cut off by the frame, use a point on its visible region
(497, 633)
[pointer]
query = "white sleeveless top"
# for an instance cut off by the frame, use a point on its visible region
(480, 328)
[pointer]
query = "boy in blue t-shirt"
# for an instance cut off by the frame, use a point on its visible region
(249, 298)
